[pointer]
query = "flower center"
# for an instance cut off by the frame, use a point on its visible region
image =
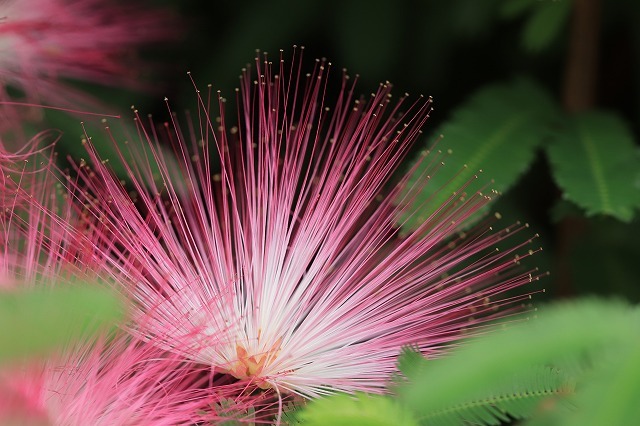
(251, 366)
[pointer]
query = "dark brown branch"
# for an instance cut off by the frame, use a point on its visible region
(579, 88)
(579, 94)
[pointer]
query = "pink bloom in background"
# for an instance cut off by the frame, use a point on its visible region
(109, 379)
(106, 381)
(44, 42)
(273, 253)
(29, 235)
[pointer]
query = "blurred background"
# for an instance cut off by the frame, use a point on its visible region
(541, 95)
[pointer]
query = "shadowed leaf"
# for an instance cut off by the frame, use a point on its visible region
(596, 165)
(498, 131)
(513, 8)
(545, 24)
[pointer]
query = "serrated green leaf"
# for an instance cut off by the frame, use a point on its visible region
(32, 323)
(561, 332)
(518, 399)
(357, 410)
(545, 23)
(498, 131)
(410, 361)
(596, 165)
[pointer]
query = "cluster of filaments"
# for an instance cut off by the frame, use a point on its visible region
(271, 249)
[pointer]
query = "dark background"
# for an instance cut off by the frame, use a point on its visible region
(449, 50)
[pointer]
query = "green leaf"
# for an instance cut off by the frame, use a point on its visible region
(410, 361)
(497, 130)
(545, 23)
(611, 395)
(595, 163)
(561, 332)
(32, 323)
(519, 399)
(358, 410)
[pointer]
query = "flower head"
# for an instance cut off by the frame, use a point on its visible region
(113, 380)
(273, 251)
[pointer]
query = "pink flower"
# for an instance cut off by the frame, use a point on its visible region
(29, 234)
(46, 41)
(273, 252)
(107, 381)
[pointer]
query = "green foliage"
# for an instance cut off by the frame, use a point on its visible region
(497, 131)
(595, 163)
(565, 331)
(611, 395)
(34, 322)
(519, 399)
(545, 24)
(514, 8)
(545, 21)
(471, 18)
(358, 410)
(593, 343)
(574, 364)
(411, 362)
(448, 49)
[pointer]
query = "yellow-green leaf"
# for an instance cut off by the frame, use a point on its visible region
(37, 321)
(356, 410)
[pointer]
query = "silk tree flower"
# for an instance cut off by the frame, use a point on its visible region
(111, 380)
(28, 237)
(274, 252)
(107, 379)
(45, 42)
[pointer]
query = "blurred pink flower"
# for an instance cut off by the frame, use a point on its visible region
(43, 43)
(109, 379)
(273, 252)
(106, 381)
